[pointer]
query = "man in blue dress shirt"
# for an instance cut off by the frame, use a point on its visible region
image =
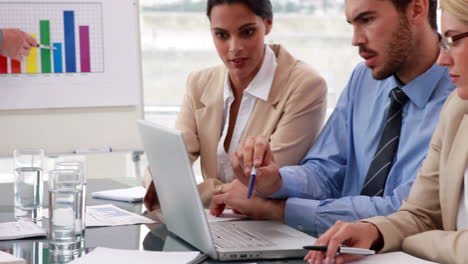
(400, 45)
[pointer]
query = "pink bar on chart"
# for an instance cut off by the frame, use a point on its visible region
(85, 56)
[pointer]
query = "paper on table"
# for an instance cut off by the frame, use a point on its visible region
(110, 215)
(20, 229)
(227, 215)
(6, 258)
(134, 194)
(391, 258)
(120, 256)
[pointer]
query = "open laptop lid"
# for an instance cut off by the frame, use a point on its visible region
(175, 183)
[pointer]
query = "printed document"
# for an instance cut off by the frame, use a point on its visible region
(132, 195)
(6, 258)
(20, 229)
(122, 256)
(110, 215)
(391, 258)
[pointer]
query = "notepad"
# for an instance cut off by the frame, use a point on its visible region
(20, 229)
(132, 195)
(122, 256)
(6, 258)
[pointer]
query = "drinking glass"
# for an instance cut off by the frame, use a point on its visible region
(65, 212)
(78, 166)
(28, 166)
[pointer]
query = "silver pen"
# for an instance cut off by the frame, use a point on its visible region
(45, 47)
(356, 251)
(343, 250)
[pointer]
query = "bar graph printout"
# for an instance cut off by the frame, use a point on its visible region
(74, 29)
(81, 71)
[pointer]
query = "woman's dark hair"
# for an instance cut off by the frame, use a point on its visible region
(261, 8)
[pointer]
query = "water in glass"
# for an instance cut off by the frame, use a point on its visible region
(28, 193)
(65, 212)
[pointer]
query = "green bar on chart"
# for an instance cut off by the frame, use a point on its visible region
(46, 56)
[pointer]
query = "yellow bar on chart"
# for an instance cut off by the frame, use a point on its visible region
(31, 60)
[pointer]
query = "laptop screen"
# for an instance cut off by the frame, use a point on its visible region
(175, 184)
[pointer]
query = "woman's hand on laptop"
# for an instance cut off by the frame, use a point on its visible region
(256, 152)
(234, 195)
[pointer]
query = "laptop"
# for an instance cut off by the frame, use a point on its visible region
(185, 216)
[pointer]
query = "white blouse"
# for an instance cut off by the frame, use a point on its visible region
(462, 218)
(259, 88)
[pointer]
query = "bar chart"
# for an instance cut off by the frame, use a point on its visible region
(73, 29)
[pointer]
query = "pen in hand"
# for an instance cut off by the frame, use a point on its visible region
(343, 250)
(253, 175)
(45, 47)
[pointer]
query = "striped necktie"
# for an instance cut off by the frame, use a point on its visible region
(388, 146)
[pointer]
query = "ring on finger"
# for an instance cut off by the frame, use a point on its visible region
(220, 188)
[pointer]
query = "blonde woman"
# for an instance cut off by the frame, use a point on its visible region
(433, 222)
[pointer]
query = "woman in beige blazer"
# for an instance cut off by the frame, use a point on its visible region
(290, 114)
(433, 222)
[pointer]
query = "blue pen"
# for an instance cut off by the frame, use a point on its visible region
(253, 175)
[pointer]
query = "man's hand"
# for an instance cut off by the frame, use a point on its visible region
(16, 43)
(360, 235)
(256, 151)
(234, 195)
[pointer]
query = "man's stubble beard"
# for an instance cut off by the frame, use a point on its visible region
(398, 51)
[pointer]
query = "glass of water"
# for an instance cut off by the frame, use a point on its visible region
(28, 166)
(78, 166)
(65, 212)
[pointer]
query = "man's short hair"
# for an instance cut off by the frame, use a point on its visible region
(401, 5)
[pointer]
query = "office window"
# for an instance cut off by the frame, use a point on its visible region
(176, 40)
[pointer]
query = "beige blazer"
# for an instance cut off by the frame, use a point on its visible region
(291, 117)
(425, 225)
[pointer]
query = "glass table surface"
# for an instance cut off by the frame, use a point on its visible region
(154, 237)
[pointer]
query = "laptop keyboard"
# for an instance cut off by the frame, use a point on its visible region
(234, 236)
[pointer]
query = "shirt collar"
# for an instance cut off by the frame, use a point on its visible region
(261, 84)
(420, 89)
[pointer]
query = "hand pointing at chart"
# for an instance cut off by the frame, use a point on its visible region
(15, 43)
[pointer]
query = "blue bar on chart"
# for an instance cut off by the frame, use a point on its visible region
(58, 64)
(70, 48)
